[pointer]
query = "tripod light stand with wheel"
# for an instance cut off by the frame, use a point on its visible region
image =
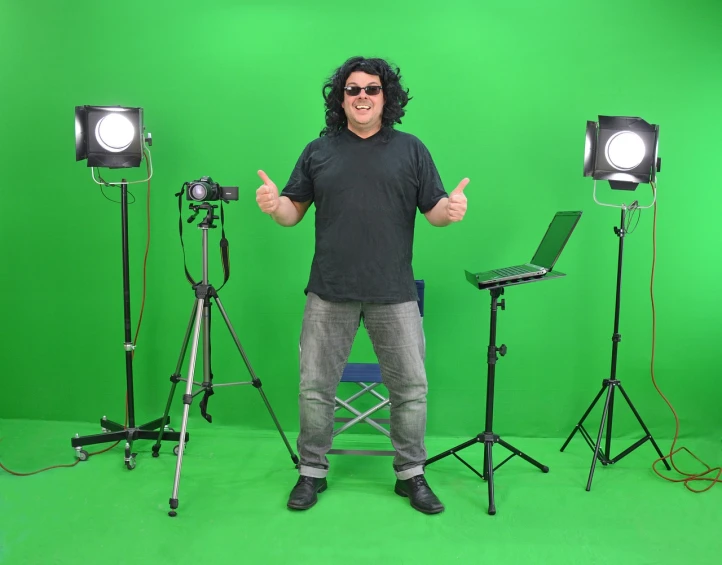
(113, 137)
(200, 322)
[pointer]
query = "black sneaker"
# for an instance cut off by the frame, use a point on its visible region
(420, 494)
(304, 494)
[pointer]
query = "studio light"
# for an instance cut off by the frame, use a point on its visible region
(109, 136)
(622, 150)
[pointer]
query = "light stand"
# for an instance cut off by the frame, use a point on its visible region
(201, 317)
(623, 151)
(610, 384)
(113, 431)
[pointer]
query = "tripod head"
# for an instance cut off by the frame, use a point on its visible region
(197, 206)
(206, 222)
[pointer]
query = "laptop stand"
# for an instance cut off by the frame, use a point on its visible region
(488, 437)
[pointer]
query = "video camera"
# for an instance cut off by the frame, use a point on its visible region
(205, 190)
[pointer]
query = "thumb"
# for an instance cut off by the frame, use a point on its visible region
(460, 188)
(264, 177)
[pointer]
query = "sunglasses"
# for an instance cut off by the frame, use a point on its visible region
(372, 90)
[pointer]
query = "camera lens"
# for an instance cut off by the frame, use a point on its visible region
(197, 191)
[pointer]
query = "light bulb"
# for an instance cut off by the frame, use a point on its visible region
(114, 132)
(625, 150)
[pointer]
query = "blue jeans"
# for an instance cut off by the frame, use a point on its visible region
(327, 335)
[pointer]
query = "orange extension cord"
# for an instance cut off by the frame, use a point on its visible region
(135, 341)
(689, 478)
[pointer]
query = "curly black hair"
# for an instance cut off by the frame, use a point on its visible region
(395, 96)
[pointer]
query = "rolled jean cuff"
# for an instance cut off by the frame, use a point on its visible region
(314, 472)
(408, 473)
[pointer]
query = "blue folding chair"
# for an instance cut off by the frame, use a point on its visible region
(367, 376)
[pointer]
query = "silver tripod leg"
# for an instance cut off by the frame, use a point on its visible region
(187, 399)
(256, 382)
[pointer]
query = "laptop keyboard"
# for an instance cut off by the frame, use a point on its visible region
(510, 271)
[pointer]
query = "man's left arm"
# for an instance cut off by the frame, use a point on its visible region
(451, 209)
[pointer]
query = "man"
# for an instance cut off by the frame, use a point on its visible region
(366, 180)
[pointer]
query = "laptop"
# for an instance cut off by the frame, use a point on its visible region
(549, 250)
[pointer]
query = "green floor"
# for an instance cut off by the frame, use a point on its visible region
(234, 486)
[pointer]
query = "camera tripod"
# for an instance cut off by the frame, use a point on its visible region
(201, 318)
(488, 437)
(610, 384)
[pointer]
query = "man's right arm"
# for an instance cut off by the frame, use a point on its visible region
(282, 209)
(289, 212)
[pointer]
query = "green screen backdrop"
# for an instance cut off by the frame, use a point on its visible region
(501, 94)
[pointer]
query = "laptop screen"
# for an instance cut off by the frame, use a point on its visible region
(555, 238)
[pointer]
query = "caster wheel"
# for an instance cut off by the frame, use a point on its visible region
(176, 450)
(129, 457)
(156, 449)
(172, 513)
(83, 455)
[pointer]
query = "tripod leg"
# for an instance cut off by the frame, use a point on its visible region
(187, 399)
(489, 473)
(207, 384)
(610, 421)
(523, 455)
(644, 427)
(453, 451)
(580, 425)
(599, 437)
(175, 378)
(255, 379)
(485, 466)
